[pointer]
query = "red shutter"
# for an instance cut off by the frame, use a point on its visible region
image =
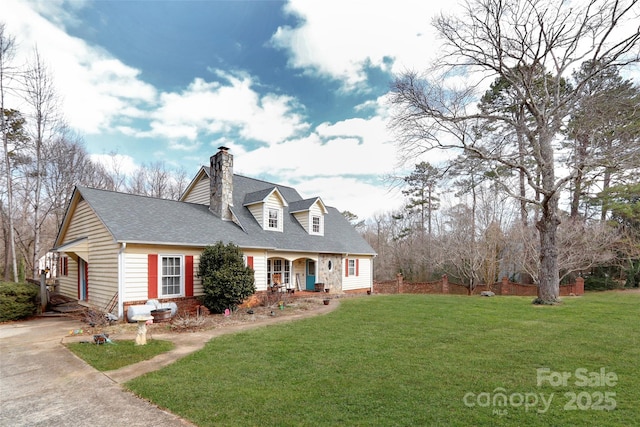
(188, 275)
(346, 267)
(66, 265)
(357, 267)
(152, 276)
(86, 280)
(250, 262)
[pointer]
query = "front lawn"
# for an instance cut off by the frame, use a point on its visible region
(106, 357)
(419, 360)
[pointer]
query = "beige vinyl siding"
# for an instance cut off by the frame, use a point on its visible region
(304, 219)
(136, 273)
(69, 283)
(103, 258)
(200, 193)
(137, 268)
(257, 212)
(259, 267)
(362, 280)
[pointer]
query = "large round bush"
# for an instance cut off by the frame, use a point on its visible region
(226, 280)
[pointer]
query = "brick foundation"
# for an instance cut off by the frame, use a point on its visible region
(188, 305)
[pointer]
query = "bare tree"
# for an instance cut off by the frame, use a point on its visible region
(42, 100)
(581, 246)
(159, 180)
(179, 183)
(7, 52)
(532, 45)
(67, 165)
(463, 258)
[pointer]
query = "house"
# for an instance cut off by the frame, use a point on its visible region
(123, 249)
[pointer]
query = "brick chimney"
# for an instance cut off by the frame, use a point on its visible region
(221, 184)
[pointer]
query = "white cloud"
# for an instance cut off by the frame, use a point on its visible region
(94, 87)
(341, 162)
(340, 39)
(351, 194)
(186, 147)
(120, 164)
(350, 147)
(215, 107)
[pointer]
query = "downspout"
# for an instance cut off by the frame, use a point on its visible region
(371, 286)
(121, 279)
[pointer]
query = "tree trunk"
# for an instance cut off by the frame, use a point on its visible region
(581, 153)
(549, 282)
(547, 225)
(606, 183)
(522, 177)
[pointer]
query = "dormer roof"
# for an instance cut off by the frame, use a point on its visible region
(262, 196)
(306, 204)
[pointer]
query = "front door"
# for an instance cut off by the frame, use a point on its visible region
(311, 275)
(83, 280)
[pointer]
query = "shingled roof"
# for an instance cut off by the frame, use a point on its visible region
(140, 219)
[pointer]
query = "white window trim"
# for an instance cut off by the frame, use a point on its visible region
(320, 231)
(286, 271)
(268, 218)
(161, 275)
(352, 267)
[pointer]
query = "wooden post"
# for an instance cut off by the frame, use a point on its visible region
(44, 300)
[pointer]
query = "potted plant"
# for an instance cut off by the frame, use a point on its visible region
(326, 301)
(161, 314)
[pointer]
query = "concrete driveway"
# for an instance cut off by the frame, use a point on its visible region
(44, 384)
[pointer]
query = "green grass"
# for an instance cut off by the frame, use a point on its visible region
(107, 357)
(411, 360)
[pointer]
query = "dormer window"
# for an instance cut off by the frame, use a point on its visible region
(273, 218)
(267, 206)
(310, 214)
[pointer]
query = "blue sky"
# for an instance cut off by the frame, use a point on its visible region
(295, 89)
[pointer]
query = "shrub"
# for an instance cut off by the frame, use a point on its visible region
(225, 278)
(187, 322)
(17, 300)
(599, 283)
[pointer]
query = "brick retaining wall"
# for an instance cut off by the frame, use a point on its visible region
(443, 286)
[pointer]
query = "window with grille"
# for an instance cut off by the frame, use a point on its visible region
(171, 275)
(273, 218)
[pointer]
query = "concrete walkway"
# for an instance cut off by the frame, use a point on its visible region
(44, 384)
